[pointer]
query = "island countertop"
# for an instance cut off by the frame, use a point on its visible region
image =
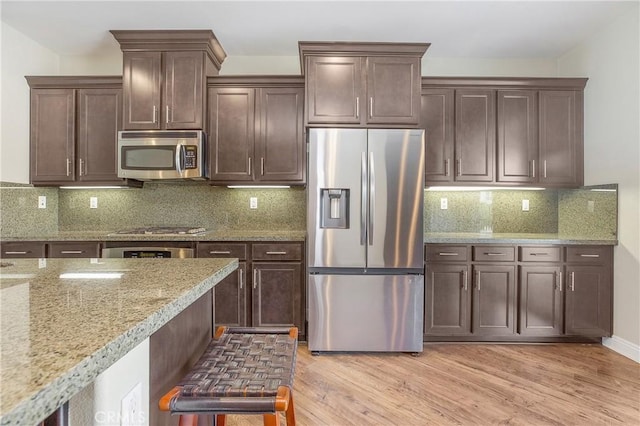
(64, 321)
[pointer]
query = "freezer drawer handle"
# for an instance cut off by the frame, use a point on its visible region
(447, 253)
(277, 252)
(220, 252)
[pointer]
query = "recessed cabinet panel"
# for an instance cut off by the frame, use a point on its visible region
(588, 300)
(475, 135)
(517, 136)
(437, 120)
(183, 90)
(447, 300)
(276, 294)
(494, 299)
(393, 90)
(141, 80)
(540, 307)
(230, 299)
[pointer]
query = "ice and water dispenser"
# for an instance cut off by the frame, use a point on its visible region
(334, 208)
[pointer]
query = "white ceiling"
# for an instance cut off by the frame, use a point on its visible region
(498, 29)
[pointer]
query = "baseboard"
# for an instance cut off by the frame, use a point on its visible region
(623, 347)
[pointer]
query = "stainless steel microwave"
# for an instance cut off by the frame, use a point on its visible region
(162, 154)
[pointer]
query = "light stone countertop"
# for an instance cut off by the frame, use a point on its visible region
(249, 235)
(496, 238)
(58, 334)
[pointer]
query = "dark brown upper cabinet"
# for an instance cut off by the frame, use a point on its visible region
(503, 131)
(74, 130)
(362, 84)
(256, 130)
(165, 75)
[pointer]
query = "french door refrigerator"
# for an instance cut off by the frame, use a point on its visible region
(365, 240)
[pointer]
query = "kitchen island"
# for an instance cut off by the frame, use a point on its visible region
(65, 321)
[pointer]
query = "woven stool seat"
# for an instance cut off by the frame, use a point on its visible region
(242, 371)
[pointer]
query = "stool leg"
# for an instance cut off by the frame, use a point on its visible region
(271, 419)
(290, 414)
(188, 420)
(221, 419)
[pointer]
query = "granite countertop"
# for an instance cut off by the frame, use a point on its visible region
(495, 238)
(58, 334)
(249, 235)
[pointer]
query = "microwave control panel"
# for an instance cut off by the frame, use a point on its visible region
(190, 157)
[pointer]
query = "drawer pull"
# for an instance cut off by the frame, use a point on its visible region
(464, 277)
(495, 254)
(277, 252)
(71, 252)
(589, 255)
(220, 252)
(16, 252)
(448, 253)
(573, 281)
(539, 254)
(240, 278)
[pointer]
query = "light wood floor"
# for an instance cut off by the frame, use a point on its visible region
(453, 384)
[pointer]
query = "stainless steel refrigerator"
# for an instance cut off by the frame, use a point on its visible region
(365, 240)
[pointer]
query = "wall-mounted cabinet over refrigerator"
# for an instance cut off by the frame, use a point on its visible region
(365, 251)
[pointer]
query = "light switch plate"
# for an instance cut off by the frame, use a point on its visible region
(42, 201)
(93, 202)
(443, 203)
(253, 202)
(525, 205)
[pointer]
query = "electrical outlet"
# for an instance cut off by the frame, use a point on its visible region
(253, 202)
(443, 204)
(93, 202)
(525, 205)
(131, 407)
(591, 206)
(42, 201)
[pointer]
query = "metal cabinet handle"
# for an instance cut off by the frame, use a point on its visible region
(81, 164)
(464, 278)
(71, 251)
(539, 254)
(240, 278)
(371, 107)
(249, 169)
(560, 285)
(255, 278)
(357, 107)
(155, 112)
(495, 254)
(68, 166)
(261, 166)
(544, 168)
(16, 252)
(448, 253)
(533, 168)
(167, 116)
(573, 281)
(220, 252)
(446, 167)
(590, 255)
(478, 280)
(277, 252)
(459, 161)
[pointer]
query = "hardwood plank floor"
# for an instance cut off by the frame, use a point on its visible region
(472, 384)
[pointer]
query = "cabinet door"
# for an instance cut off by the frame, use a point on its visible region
(141, 84)
(99, 119)
(475, 135)
(231, 133)
(52, 135)
(447, 301)
(588, 304)
(22, 250)
(74, 249)
(561, 138)
(393, 90)
(494, 300)
(437, 120)
(183, 94)
(540, 312)
(335, 90)
(280, 145)
(230, 299)
(517, 136)
(277, 294)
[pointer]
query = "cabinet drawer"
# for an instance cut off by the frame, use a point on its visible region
(222, 250)
(540, 254)
(588, 254)
(276, 251)
(445, 253)
(18, 250)
(74, 250)
(494, 253)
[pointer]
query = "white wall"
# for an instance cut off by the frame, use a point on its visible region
(20, 56)
(485, 67)
(610, 58)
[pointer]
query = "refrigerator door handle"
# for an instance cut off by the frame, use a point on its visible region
(363, 199)
(372, 197)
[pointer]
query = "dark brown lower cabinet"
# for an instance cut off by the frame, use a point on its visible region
(74, 249)
(230, 299)
(22, 250)
(588, 300)
(447, 300)
(494, 296)
(276, 294)
(540, 305)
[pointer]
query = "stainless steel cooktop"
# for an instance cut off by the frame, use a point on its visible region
(162, 230)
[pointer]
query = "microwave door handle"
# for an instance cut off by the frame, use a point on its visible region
(179, 155)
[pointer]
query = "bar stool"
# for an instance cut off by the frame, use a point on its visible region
(242, 371)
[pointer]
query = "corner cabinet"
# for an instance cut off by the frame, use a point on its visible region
(256, 130)
(503, 131)
(74, 130)
(164, 77)
(362, 84)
